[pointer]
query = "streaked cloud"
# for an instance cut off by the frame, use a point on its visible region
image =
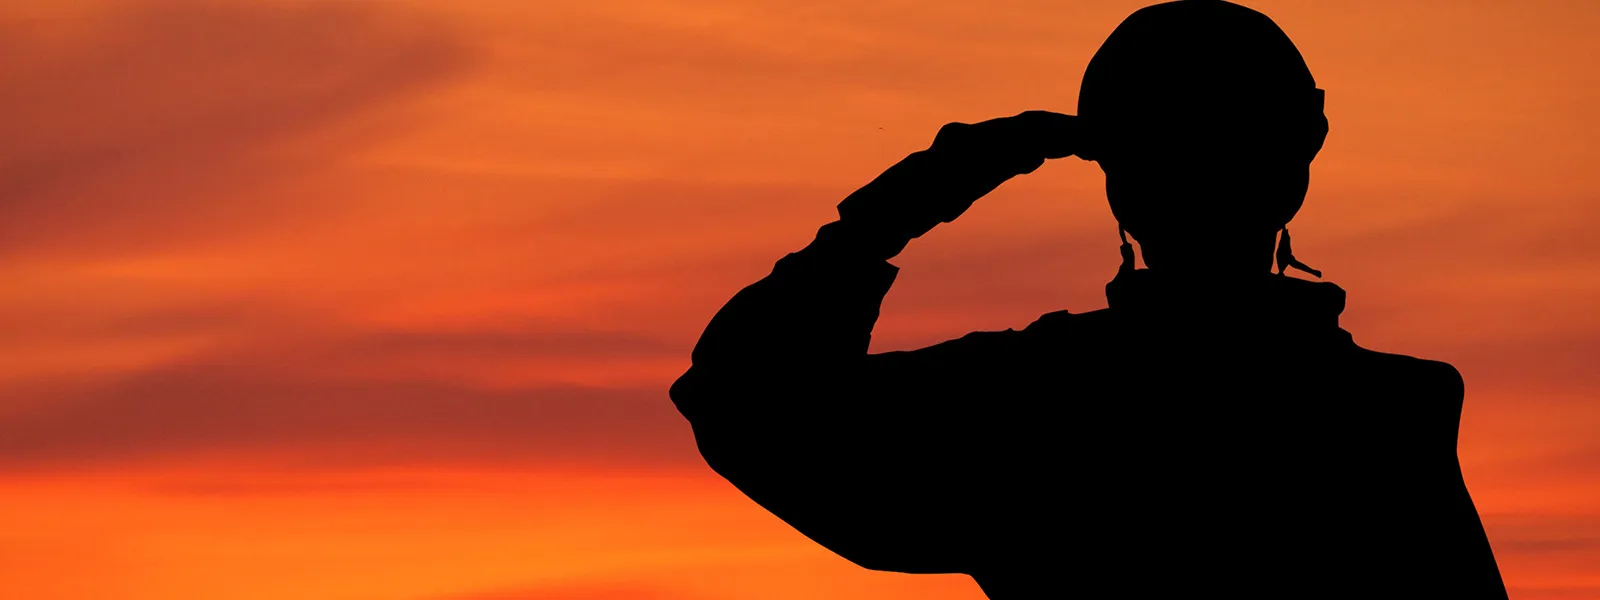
(275, 247)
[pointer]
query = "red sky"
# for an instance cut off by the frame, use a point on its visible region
(380, 300)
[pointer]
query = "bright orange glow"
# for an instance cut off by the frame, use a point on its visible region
(333, 300)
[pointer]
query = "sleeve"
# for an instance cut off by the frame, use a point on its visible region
(1459, 562)
(863, 453)
(1433, 540)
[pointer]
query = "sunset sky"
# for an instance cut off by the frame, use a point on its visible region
(379, 300)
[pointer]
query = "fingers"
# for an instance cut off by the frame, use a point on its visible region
(965, 162)
(953, 137)
(1024, 139)
(1045, 133)
(1027, 165)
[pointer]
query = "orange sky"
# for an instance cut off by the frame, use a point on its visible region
(380, 300)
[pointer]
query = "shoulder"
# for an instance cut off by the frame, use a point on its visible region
(1000, 344)
(1063, 320)
(977, 344)
(1421, 400)
(1413, 368)
(1402, 376)
(1063, 329)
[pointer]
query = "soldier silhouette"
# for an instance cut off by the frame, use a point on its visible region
(1213, 431)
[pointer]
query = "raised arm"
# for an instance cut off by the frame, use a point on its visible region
(860, 452)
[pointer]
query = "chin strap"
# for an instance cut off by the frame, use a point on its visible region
(1286, 257)
(1127, 251)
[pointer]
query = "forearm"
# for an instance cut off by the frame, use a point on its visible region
(789, 406)
(818, 304)
(814, 313)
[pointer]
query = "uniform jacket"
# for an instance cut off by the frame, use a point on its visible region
(1196, 435)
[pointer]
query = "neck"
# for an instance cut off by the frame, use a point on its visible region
(1201, 298)
(1231, 258)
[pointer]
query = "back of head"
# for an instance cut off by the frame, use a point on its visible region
(1207, 120)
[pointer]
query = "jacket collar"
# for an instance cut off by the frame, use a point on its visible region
(1284, 302)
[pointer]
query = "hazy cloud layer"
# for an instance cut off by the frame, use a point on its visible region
(330, 235)
(557, 592)
(124, 128)
(355, 403)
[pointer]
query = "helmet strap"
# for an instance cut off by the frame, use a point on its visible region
(1127, 251)
(1286, 257)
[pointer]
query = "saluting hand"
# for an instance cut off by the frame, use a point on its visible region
(965, 162)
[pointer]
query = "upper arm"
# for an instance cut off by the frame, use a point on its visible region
(869, 457)
(1419, 399)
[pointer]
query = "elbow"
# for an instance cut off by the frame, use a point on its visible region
(695, 399)
(706, 398)
(688, 391)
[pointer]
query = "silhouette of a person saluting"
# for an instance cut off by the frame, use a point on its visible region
(1213, 432)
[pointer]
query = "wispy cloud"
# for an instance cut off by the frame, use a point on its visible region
(125, 128)
(335, 237)
(357, 402)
